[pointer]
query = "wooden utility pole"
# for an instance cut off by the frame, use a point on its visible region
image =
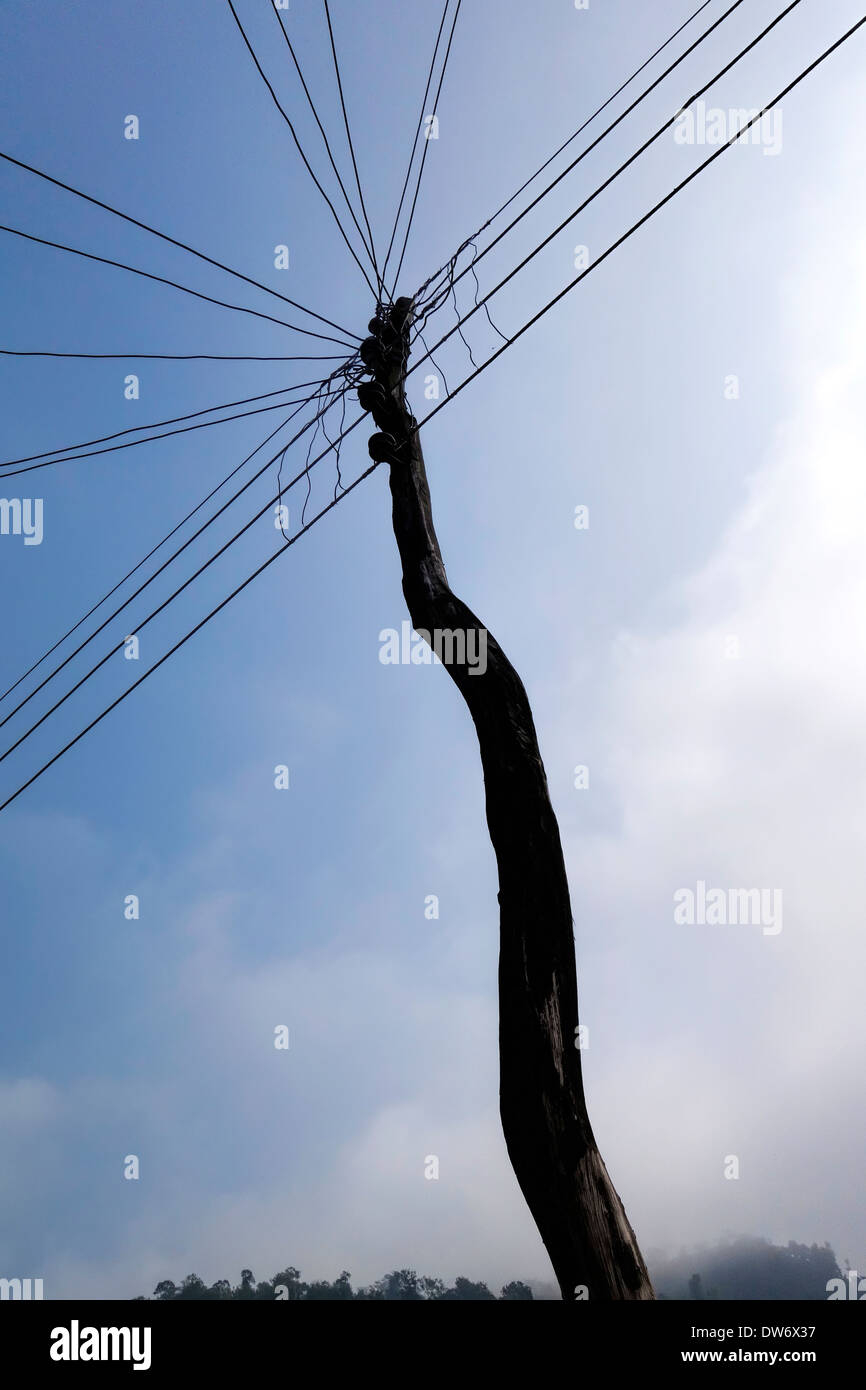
(544, 1118)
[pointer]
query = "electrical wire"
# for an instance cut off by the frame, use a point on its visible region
(97, 202)
(426, 147)
(482, 303)
(163, 280)
(307, 164)
(417, 132)
(166, 538)
(167, 356)
(717, 153)
(603, 136)
(615, 175)
(132, 443)
(164, 566)
(596, 113)
(367, 247)
(352, 148)
(198, 627)
(157, 424)
(139, 627)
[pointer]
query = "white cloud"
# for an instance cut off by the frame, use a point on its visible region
(747, 772)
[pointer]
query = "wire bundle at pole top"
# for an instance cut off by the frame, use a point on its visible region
(332, 390)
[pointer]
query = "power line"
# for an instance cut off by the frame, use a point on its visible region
(168, 356)
(213, 613)
(164, 566)
(627, 112)
(157, 424)
(307, 164)
(152, 552)
(483, 303)
(156, 611)
(325, 386)
(312, 105)
(646, 217)
(430, 352)
(175, 242)
(162, 280)
(417, 130)
(427, 145)
(615, 175)
(577, 280)
(633, 228)
(132, 443)
(351, 147)
(597, 112)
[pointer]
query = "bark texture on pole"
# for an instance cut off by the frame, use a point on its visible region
(544, 1118)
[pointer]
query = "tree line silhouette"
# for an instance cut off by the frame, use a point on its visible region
(402, 1285)
(747, 1267)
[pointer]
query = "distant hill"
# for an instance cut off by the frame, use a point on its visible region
(746, 1268)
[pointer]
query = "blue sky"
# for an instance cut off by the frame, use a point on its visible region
(709, 517)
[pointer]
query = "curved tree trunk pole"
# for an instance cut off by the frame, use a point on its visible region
(544, 1118)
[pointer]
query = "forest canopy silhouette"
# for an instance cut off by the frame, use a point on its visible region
(745, 1268)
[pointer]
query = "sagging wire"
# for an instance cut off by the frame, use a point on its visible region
(478, 291)
(444, 288)
(334, 388)
(336, 444)
(435, 363)
(463, 337)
